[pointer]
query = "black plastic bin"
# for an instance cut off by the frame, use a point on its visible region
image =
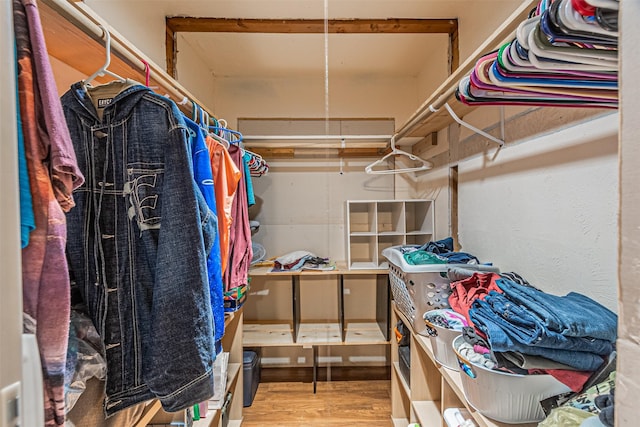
(250, 376)
(404, 354)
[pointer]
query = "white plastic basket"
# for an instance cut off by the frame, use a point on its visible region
(420, 288)
(505, 397)
(441, 345)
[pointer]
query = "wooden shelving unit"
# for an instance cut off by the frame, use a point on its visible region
(290, 326)
(373, 225)
(278, 314)
(432, 389)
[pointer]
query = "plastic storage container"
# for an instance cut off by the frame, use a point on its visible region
(505, 397)
(458, 417)
(404, 360)
(417, 289)
(250, 376)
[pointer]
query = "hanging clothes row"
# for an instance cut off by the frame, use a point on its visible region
(257, 165)
(48, 175)
(126, 201)
(565, 54)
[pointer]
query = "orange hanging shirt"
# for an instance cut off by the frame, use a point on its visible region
(226, 176)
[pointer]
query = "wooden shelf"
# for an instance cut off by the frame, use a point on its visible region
(232, 373)
(423, 121)
(294, 330)
(319, 334)
(400, 422)
(340, 270)
(426, 411)
(401, 379)
(430, 409)
(268, 335)
(280, 334)
(73, 38)
(365, 333)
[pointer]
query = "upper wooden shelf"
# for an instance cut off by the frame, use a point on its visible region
(73, 37)
(424, 121)
(341, 270)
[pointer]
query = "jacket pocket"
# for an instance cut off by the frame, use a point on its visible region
(143, 189)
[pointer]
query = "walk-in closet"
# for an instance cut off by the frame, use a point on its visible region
(400, 213)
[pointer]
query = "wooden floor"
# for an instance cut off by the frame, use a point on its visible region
(335, 404)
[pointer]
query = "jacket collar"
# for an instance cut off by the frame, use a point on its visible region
(78, 100)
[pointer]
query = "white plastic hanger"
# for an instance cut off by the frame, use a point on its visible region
(104, 69)
(605, 4)
(424, 164)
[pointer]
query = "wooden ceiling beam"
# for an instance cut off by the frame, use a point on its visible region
(311, 26)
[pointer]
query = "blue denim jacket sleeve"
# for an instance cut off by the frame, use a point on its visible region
(184, 239)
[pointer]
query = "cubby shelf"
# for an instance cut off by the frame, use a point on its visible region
(283, 309)
(373, 225)
(287, 324)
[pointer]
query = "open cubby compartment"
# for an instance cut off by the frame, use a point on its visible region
(362, 218)
(387, 241)
(363, 252)
(269, 312)
(390, 217)
(419, 218)
(365, 320)
(418, 238)
(317, 311)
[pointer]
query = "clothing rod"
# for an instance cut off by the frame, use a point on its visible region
(442, 94)
(313, 137)
(426, 111)
(85, 19)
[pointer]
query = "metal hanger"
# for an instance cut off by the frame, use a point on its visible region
(424, 164)
(104, 69)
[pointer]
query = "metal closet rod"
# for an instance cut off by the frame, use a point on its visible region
(426, 111)
(315, 137)
(89, 23)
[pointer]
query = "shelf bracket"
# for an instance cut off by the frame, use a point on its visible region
(455, 117)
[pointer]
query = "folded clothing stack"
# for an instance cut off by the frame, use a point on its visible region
(530, 331)
(302, 260)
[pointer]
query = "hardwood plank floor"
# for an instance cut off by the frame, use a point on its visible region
(335, 404)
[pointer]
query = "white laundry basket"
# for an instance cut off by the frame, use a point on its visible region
(417, 289)
(441, 339)
(505, 397)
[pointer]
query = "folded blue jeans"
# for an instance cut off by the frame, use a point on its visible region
(572, 315)
(504, 336)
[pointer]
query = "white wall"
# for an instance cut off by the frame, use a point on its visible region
(142, 22)
(301, 204)
(10, 261)
(304, 97)
(547, 208)
(196, 77)
(628, 374)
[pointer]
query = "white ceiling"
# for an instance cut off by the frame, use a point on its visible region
(286, 55)
(295, 55)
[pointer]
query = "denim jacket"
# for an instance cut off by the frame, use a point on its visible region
(137, 247)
